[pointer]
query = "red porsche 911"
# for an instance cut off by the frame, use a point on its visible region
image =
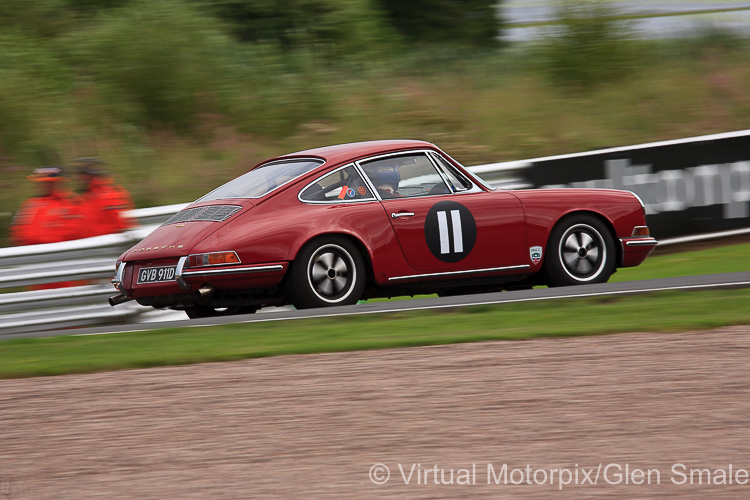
(333, 225)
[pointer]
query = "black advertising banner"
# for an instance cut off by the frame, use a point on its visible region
(690, 186)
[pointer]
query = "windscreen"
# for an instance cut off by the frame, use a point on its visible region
(262, 180)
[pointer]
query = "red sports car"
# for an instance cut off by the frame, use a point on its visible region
(333, 225)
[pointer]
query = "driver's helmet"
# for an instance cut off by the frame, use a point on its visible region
(385, 177)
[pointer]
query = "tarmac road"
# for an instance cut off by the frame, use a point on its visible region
(700, 282)
(315, 425)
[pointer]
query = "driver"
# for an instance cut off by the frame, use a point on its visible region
(386, 179)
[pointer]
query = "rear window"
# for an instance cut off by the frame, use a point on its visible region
(262, 180)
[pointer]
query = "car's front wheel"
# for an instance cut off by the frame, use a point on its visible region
(327, 272)
(580, 250)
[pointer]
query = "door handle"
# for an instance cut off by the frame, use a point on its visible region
(395, 215)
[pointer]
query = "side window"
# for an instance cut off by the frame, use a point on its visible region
(342, 185)
(460, 183)
(405, 176)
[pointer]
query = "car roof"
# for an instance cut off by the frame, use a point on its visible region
(344, 152)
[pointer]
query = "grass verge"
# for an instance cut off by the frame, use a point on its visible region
(658, 312)
(720, 259)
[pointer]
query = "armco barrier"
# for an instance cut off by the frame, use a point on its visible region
(90, 260)
(723, 196)
(62, 308)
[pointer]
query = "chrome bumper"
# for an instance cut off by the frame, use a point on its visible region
(641, 242)
(117, 280)
(183, 275)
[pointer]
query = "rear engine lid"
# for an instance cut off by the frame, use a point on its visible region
(185, 229)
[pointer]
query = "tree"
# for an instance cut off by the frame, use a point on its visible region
(327, 27)
(590, 43)
(474, 23)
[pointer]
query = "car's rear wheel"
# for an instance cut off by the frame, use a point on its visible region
(327, 272)
(201, 311)
(580, 250)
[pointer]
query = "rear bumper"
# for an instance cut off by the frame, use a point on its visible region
(635, 250)
(257, 275)
(186, 280)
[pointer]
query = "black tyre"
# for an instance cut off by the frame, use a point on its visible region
(200, 311)
(327, 272)
(581, 250)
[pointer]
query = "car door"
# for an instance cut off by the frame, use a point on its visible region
(445, 224)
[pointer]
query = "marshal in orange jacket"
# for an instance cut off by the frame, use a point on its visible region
(102, 207)
(51, 217)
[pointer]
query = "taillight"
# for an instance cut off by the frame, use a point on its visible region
(213, 259)
(640, 231)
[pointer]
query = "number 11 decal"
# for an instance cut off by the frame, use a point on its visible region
(450, 231)
(458, 242)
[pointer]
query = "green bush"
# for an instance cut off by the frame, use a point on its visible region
(92, 6)
(588, 44)
(702, 39)
(33, 86)
(167, 64)
(271, 93)
(156, 63)
(46, 18)
(473, 23)
(338, 29)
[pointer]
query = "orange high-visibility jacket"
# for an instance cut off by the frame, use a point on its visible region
(102, 207)
(47, 219)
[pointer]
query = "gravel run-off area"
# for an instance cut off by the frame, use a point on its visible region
(612, 409)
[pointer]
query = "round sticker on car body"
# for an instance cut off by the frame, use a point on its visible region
(450, 231)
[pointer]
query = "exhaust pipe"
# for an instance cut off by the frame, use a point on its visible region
(118, 299)
(205, 292)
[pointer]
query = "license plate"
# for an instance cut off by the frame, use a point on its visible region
(156, 274)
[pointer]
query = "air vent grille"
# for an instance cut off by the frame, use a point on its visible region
(213, 213)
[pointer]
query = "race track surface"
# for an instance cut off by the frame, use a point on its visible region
(314, 425)
(699, 282)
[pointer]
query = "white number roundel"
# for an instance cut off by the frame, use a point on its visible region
(450, 231)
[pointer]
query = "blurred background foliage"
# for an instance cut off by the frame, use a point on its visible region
(178, 96)
(588, 45)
